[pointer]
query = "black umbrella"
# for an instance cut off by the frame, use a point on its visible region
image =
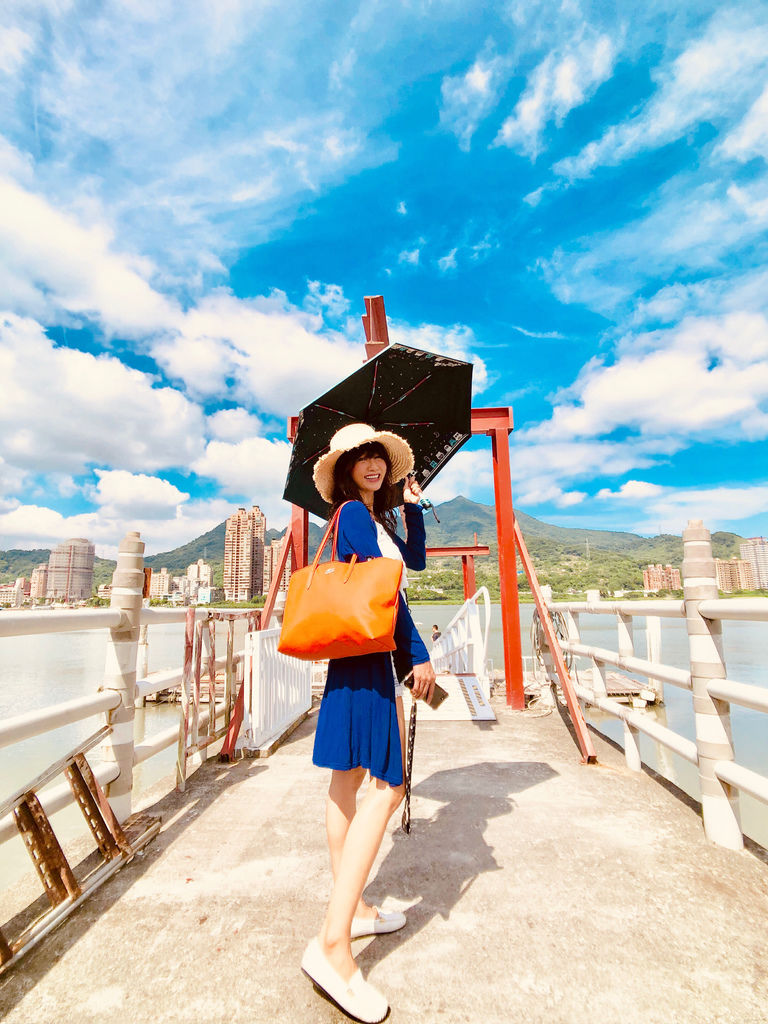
(422, 396)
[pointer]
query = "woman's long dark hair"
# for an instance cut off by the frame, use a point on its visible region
(345, 489)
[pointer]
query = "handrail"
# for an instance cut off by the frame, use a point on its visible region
(465, 635)
(651, 669)
(747, 695)
(655, 730)
(35, 723)
(743, 609)
(713, 692)
(663, 609)
(107, 700)
(33, 623)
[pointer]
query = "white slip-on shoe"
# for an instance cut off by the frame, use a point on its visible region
(355, 997)
(379, 925)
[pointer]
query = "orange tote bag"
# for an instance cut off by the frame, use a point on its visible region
(341, 609)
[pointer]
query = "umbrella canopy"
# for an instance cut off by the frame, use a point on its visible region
(422, 396)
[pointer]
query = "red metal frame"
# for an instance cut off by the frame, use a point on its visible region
(467, 555)
(579, 724)
(498, 423)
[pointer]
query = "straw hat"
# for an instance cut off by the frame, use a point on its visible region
(355, 435)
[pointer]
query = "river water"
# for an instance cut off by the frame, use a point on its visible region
(38, 671)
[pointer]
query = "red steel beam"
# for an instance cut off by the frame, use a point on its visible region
(477, 549)
(468, 572)
(375, 325)
(277, 573)
(299, 517)
(582, 733)
(510, 606)
(484, 421)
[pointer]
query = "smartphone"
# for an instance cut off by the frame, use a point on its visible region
(438, 694)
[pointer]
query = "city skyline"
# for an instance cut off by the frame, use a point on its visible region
(571, 196)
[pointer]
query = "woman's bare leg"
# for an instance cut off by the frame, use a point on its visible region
(341, 806)
(339, 812)
(362, 842)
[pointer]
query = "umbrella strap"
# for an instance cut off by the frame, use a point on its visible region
(409, 769)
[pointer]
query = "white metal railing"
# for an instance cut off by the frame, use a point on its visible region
(126, 658)
(278, 690)
(463, 646)
(721, 777)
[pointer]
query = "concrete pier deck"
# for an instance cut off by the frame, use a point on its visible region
(538, 890)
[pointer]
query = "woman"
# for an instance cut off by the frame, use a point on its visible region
(360, 725)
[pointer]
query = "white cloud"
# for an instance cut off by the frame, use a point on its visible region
(51, 263)
(15, 43)
(253, 469)
(63, 410)
(12, 479)
(722, 507)
(543, 492)
(121, 495)
(536, 334)
(543, 465)
(632, 490)
(709, 81)
(402, 209)
(233, 425)
(750, 137)
(467, 99)
(563, 81)
(326, 298)
(706, 378)
(263, 353)
(691, 226)
(191, 163)
(31, 526)
(410, 256)
(739, 292)
(448, 262)
(468, 473)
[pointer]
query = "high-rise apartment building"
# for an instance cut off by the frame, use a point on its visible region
(755, 551)
(661, 577)
(38, 587)
(244, 554)
(271, 561)
(200, 572)
(70, 571)
(12, 594)
(734, 574)
(160, 583)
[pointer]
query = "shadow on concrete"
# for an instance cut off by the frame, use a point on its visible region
(178, 811)
(437, 863)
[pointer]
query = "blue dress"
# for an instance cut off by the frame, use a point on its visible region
(357, 722)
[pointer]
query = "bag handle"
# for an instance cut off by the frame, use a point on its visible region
(331, 528)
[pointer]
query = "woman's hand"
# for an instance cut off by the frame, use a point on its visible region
(411, 490)
(423, 681)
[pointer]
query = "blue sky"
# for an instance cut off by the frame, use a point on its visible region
(194, 199)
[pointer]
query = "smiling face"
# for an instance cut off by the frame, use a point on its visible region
(368, 470)
(364, 474)
(368, 475)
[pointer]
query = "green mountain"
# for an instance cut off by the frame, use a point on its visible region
(570, 560)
